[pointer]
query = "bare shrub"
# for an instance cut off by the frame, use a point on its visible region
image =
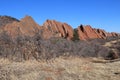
(25, 48)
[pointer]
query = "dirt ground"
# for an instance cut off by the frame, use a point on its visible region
(59, 69)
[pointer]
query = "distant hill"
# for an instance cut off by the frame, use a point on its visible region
(24, 39)
(7, 19)
(51, 28)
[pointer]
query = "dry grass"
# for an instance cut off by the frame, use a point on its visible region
(60, 69)
(109, 44)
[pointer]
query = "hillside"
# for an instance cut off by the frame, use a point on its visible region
(63, 68)
(56, 51)
(7, 19)
(50, 28)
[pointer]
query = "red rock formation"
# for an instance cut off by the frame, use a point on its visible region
(7, 19)
(102, 33)
(87, 32)
(26, 26)
(51, 28)
(105, 34)
(114, 34)
(57, 29)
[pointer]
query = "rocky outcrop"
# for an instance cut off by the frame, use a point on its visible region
(7, 19)
(115, 34)
(87, 32)
(102, 33)
(51, 28)
(26, 26)
(105, 34)
(57, 29)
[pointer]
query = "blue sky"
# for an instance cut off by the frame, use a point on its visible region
(103, 14)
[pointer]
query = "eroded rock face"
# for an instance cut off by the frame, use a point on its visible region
(115, 34)
(102, 33)
(26, 26)
(51, 28)
(7, 19)
(57, 29)
(87, 32)
(105, 34)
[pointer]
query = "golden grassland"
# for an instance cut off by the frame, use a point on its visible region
(60, 69)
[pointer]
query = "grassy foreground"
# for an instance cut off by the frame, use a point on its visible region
(59, 69)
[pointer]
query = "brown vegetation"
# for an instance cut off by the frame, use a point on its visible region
(25, 48)
(61, 69)
(55, 51)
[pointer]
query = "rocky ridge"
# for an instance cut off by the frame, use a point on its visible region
(86, 32)
(7, 19)
(51, 28)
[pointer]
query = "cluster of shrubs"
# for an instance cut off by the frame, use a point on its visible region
(116, 46)
(24, 48)
(103, 41)
(75, 35)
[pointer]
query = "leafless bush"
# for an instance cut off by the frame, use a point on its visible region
(112, 38)
(103, 41)
(25, 48)
(116, 46)
(98, 41)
